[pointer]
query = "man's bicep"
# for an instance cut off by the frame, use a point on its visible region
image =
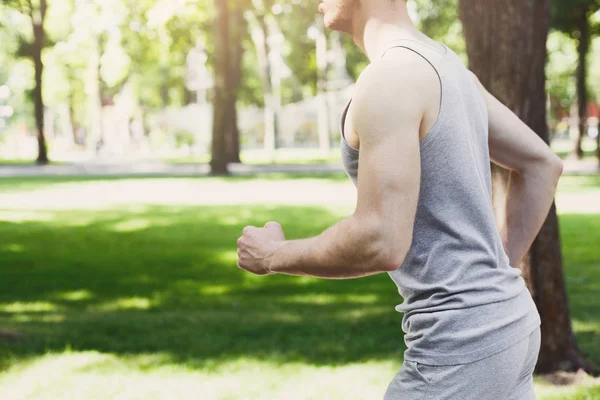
(389, 106)
(389, 176)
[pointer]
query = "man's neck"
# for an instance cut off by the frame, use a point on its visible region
(379, 25)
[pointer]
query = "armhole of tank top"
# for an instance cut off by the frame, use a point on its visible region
(483, 106)
(434, 128)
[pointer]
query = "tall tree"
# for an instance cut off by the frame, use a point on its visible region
(239, 28)
(506, 45)
(223, 93)
(37, 13)
(260, 35)
(323, 104)
(573, 18)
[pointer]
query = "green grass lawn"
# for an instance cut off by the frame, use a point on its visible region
(23, 161)
(145, 301)
(16, 161)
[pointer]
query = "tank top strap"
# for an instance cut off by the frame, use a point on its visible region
(423, 49)
(439, 58)
(443, 65)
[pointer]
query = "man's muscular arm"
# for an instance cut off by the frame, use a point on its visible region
(535, 174)
(389, 106)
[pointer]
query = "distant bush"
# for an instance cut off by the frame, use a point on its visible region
(184, 139)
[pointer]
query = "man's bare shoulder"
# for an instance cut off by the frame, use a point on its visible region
(400, 85)
(397, 64)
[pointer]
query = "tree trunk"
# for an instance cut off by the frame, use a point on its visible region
(188, 96)
(71, 104)
(164, 87)
(73, 122)
(37, 19)
(262, 47)
(238, 30)
(583, 26)
(598, 148)
(506, 44)
(97, 123)
(323, 113)
(233, 137)
(218, 162)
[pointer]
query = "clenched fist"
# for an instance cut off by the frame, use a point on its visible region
(257, 246)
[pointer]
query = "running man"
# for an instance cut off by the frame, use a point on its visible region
(423, 130)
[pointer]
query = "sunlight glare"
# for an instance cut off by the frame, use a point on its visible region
(74, 295)
(32, 307)
(25, 216)
(12, 247)
(126, 303)
(132, 225)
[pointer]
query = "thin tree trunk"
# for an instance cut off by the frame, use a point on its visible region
(598, 148)
(323, 112)
(582, 96)
(37, 19)
(270, 137)
(98, 127)
(218, 162)
(73, 121)
(574, 122)
(506, 44)
(164, 87)
(188, 96)
(71, 104)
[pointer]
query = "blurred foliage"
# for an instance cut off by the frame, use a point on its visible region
(99, 48)
(577, 19)
(562, 62)
(183, 139)
(565, 13)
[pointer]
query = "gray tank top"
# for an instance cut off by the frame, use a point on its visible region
(463, 301)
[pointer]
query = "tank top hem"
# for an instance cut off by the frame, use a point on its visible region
(432, 358)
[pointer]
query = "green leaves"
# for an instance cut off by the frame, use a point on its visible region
(19, 5)
(565, 13)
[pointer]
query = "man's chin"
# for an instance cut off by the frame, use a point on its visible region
(335, 24)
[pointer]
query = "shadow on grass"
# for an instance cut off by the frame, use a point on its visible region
(164, 280)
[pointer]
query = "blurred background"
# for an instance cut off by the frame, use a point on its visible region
(138, 138)
(124, 81)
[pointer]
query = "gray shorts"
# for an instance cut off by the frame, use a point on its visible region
(503, 376)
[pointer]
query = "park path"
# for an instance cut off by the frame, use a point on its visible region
(572, 167)
(156, 168)
(39, 201)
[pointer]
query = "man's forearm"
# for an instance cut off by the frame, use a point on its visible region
(346, 250)
(529, 198)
